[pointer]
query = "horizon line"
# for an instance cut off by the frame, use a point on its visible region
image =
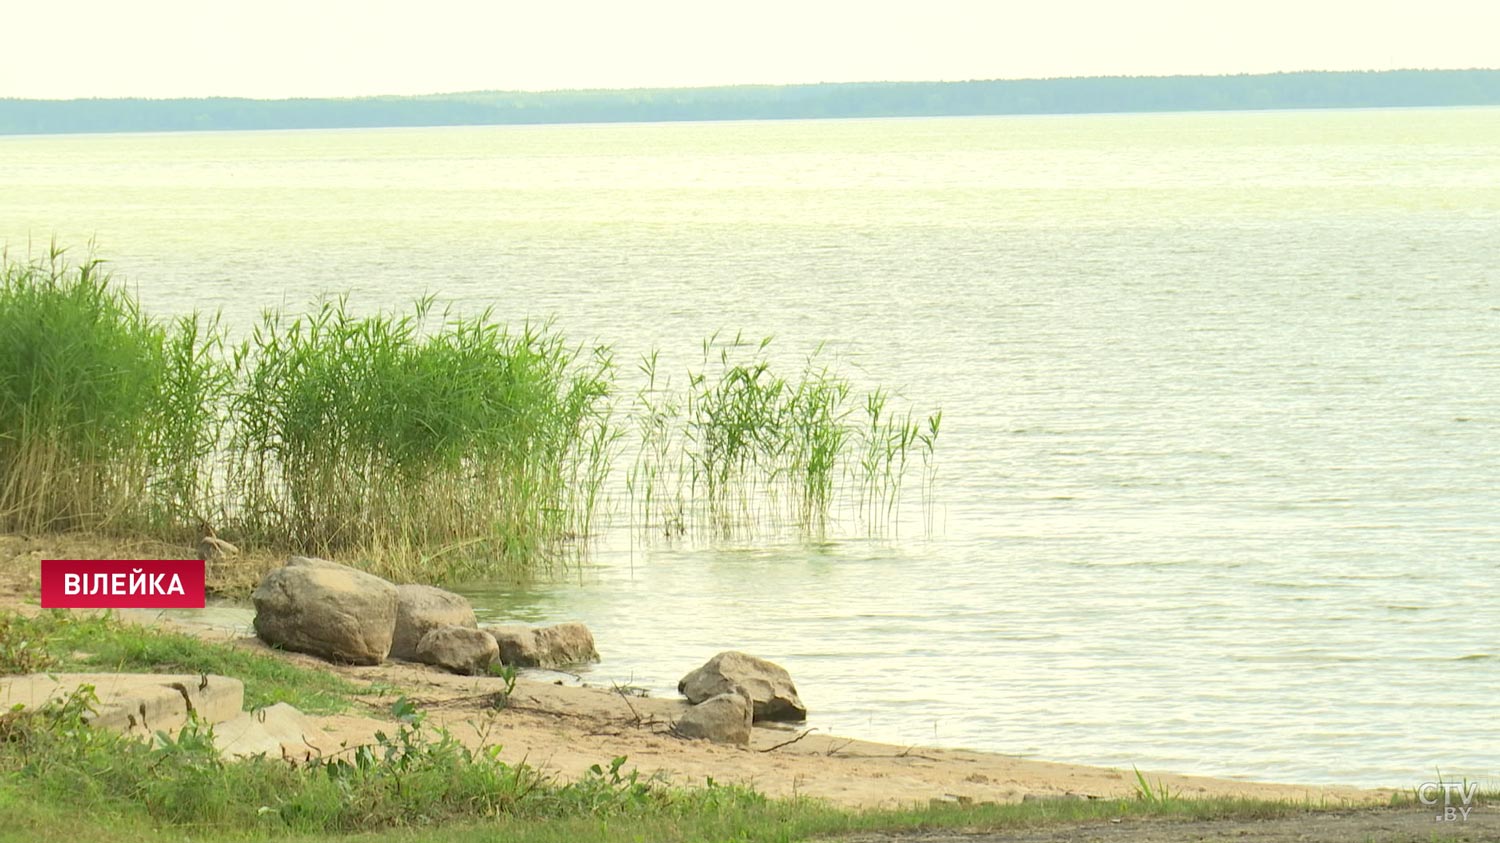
(743, 85)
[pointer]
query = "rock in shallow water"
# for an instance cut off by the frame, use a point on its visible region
(547, 646)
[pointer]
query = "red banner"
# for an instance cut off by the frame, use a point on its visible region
(122, 584)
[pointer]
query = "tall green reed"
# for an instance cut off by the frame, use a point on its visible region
(424, 444)
(654, 482)
(456, 445)
(887, 441)
(742, 446)
(107, 416)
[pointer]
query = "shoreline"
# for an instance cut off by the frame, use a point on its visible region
(564, 730)
(1187, 93)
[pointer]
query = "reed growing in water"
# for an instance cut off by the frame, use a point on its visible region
(742, 445)
(107, 416)
(393, 437)
(420, 444)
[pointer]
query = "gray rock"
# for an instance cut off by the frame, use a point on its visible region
(547, 646)
(460, 649)
(516, 643)
(724, 718)
(768, 685)
(421, 609)
(326, 609)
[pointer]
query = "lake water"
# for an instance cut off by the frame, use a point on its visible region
(1219, 485)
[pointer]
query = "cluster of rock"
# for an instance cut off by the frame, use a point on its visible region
(731, 692)
(345, 615)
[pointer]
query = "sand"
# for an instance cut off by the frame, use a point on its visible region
(567, 729)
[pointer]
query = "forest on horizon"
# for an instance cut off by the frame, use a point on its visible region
(1080, 95)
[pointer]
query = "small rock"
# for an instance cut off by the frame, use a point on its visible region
(326, 609)
(421, 609)
(724, 718)
(768, 685)
(211, 548)
(458, 648)
(548, 646)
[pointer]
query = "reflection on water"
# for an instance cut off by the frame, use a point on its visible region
(1221, 448)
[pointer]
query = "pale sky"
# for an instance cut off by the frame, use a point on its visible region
(282, 48)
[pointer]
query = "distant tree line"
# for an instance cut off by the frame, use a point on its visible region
(1382, 89)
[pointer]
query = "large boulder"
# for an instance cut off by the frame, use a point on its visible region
(768, 685)
(545, 646)
(326, 609)
(460, 649)
(722, 719)
(421, 609)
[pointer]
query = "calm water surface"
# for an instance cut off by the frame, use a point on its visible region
(1220, 472)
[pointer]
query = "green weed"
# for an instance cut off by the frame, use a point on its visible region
(1158, 794)
(415, 776)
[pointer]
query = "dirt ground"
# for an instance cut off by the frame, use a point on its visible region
(1381, 824)
(566, 729)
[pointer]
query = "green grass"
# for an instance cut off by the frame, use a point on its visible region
(420, 784)
(61, 780)
(60, 641)
(803, 819)
(1158, 794)
(712, 816)
(31, 816)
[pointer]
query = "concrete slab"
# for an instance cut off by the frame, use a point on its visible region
(133, 703)
(278, 731)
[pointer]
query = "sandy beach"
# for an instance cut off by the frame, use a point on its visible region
(565, 729)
